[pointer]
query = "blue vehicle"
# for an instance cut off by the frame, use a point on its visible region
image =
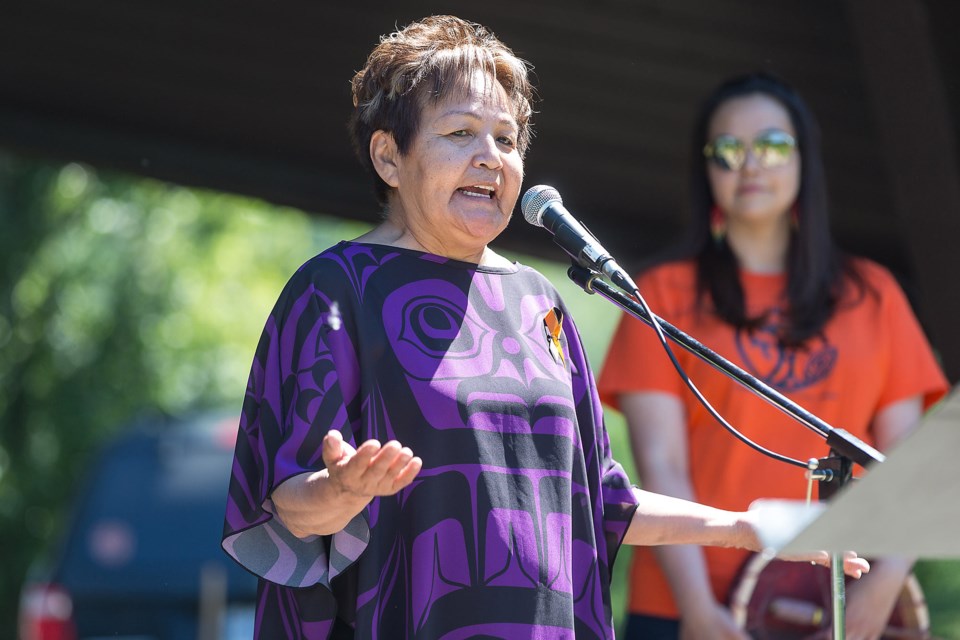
(141, 557)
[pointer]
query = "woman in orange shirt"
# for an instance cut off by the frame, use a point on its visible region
(762, 283)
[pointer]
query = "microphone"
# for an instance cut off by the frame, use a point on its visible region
(543, 207)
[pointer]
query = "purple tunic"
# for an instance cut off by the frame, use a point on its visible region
(511, 527)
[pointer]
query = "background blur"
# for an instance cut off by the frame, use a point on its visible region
(164, 167)
(252, 99)
(124, 296)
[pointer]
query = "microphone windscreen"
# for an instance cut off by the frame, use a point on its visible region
(535, 200)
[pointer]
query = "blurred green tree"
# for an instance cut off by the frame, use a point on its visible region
(120, 296)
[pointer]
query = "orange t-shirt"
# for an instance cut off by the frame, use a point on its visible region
(871, 354)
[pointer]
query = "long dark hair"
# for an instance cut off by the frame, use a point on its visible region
(816, 268)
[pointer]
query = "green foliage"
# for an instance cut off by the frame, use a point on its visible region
(120, 296)
(941, 585)
(124, 295)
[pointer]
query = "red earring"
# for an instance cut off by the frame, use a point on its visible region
(718, 224)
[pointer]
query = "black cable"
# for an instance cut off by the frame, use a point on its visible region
(654, 321)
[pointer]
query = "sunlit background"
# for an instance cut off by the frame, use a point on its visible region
(125, 296)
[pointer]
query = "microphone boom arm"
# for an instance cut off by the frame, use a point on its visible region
(845, 448)
(842, 442)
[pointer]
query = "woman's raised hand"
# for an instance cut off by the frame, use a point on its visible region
(371, 469)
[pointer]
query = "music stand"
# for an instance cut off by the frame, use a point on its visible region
(906, 506)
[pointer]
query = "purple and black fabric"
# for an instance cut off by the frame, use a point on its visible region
(512, 525)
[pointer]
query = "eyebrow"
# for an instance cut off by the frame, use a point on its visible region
(508, 120)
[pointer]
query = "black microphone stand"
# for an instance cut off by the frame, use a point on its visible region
(832, 473)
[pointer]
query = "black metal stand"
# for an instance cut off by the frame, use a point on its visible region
(833, 472)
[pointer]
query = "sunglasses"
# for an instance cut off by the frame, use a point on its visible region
(771, 149)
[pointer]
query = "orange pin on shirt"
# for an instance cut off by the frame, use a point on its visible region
(553, 327)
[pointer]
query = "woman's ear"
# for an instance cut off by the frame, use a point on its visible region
(384, 154)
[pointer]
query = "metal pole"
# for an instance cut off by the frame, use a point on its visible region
(839, 595)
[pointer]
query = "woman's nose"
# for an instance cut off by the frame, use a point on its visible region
(488, 153)
(751, 161)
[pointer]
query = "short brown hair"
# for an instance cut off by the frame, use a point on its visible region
(430, 60)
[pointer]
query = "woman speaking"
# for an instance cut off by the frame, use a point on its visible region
(421, 450)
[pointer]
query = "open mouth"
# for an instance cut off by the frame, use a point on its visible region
(477, 191)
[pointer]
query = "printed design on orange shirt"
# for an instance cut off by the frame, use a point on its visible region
(552, 330)
(785, 369)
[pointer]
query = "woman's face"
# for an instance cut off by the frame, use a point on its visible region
(753, 195)
(458, 183)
